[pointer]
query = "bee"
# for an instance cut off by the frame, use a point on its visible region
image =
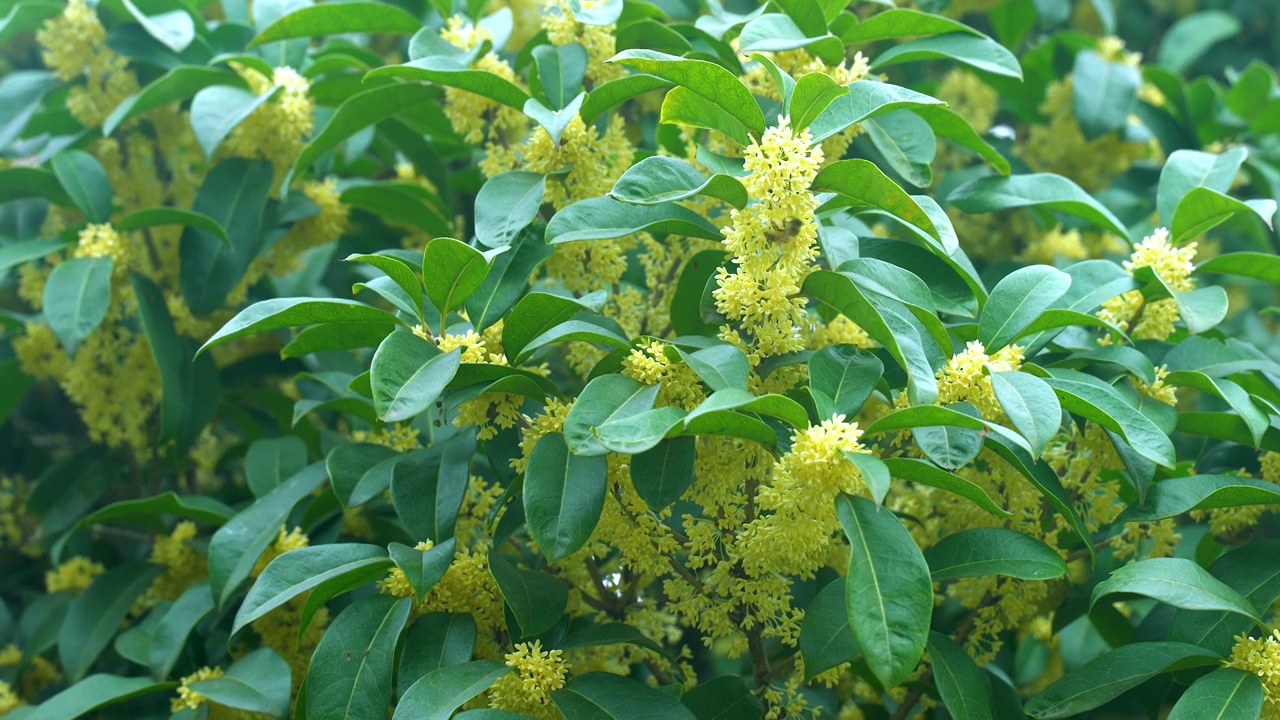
(789, 229)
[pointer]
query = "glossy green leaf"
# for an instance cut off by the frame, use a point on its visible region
(452, 72)
(423, 568)
(428, 486)
(897, 23)
(234, 194)
(716, 87)
(1113, 673)
(890, 595)
(1173, 496)
(292, 312)
(258, 682)
(451, 271)
(721, 367)
(1175, 581)
(536, 599)
(351, 671)
(217, 110)
(906, 142)
(604, 218)
(76, 298)
(508, 275)
(1188, 169)
(94, 692)
(960, 682)
(178, 83)
(1097, 402)
(350, 464)
(659, 179)
(86, 182)
(662, 473)
(843, 376)
(303, 570)
(925, 473)
(608, 397)
(814, 93)
(434, 641)
(166, 216)
(438, 693)
(1224, 694)
(94, 617)
(538, 312)
(505, 206)
(237, 545)
(722, 698)
(976, 51)
(976, 552)
(408, 374)
(826, 639)
(614, 697)
(861, 184)
(563, 496)
(1054, 192)
(1031, 405)
(617, 91)
(170, 636)
(1104, 93)
(338, 18)
(1017, 300)
(22, 252)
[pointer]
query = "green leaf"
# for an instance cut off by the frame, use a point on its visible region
(1113, 673)
(217, 110)
(1017, 300)
(773, 405)
(899, 23)
(536, 313)
(906, 142)
(1104, 93)
(401, 272)
(721, 367)
(353, 465)
(1175, 581)
(164, 216)
(423, 568)
(723, 698)
(339, 18)
(1237, 397)
(1188, 169)
(560, 71)
(1202, 209)
(174, 29)
(453, 72)
(662, 473)
(555, 122)
(17, 183)
(977, 552)
(887, 321)
(258, 683)
(922, 472)
(861, 184)
(22, 252)
(149, 511)
(234, 194)
(76, 298)
(1176, 495)
(976, 51)
(613, 697)
(826, 639)
(563, 496)
(1261, 266)
(1224, 694)
(604, 218)
(94, 617)
(408, 374)
(451, 271)
(1189, 38)
(536, 599)
(939, 416)
(291, 312)
(506, 204)
(659, 179)
(428, 486)
(237, 545)
(1252, 570)
(776, 32)
(438, 693)
(638, 433)
(1031, 405)
(960, 682)
(1103, 405)
(1045, 479)
(608, 95)
(306, 570)
(92, 693)
(1055, 192)
(716, 88)
(814, 93)
(845, 376)
(434, 641)
(890, 596)
(507, 278)
(24, 16)
(170, 636)
(351, 671)
(359, 111)
(398, 203)
(178, 83)
(86, 182)
(271, 461)
(950, 446)
(608, 397)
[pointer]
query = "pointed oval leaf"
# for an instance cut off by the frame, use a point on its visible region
(563, 496)
(351, 671)
(1175, 581)
(976, 552)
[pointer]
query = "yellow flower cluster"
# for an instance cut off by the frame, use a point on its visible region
(97, 241)
(74, 45)
(466, 587)
(772, 243)
(74, 575)
(468, 112)
(963, 377)
(1055, 245)
(680, 386)
(189, 699)
(183, 565)
(400, 437)
(1261, 657)
(9, 700)
(15, 524)
(536, 673)
(599, 40)
(1154, 320)
(278, 129)
(795, 536)
(799, 63)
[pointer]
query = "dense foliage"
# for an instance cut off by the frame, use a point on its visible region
(639, 359)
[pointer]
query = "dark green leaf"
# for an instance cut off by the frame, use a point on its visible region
(1188, 169)
(662, 473)
(659, 179)
(423, 568)
(715, 87)
(434, 641)
(86, 182)
(408, 374)
(234, 194)
(1054, 192)
(826, 640)
(92, 693)
(445, 689)
(453, 72)
(76, 298)
(1189, 38)
(1224, 694)
(258, 683)
(976, 552)
(563, 496)
(339, 18)
(95, 615)
(178, 83)
(505, 206)
(608, 397)
(976, 51)
(536, 599)
(960, 682)
(861, 184)
(1017, 300)
(604, 218)
(305, 569)
(291, 312)
(162, 216)
(350, 674)
(613, 697)
(925, 473)
(169, 638)
(1112, 674)
(1175, 581)
(1104, 92)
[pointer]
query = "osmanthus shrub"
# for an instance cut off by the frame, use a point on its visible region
(638, 360)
